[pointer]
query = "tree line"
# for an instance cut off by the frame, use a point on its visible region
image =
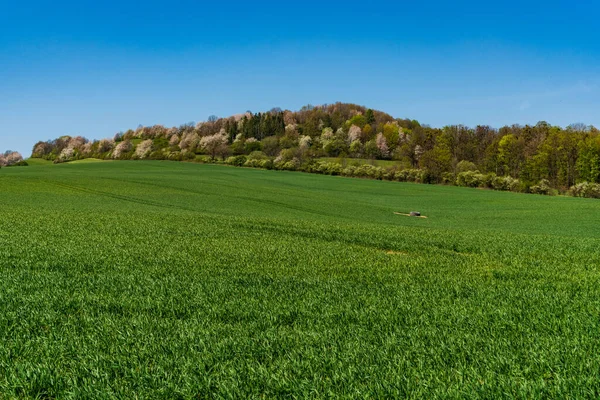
(533, 156)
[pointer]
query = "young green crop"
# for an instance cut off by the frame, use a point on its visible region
(175, 280)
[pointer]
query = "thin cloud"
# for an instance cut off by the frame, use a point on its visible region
(524, 106)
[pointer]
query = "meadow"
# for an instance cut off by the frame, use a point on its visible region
(155, 279)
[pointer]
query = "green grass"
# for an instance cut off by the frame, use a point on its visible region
(88, 161)
(181, 280)
(38, 162)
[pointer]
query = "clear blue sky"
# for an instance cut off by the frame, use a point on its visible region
(94, 68)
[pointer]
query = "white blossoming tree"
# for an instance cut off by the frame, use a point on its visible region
(121, 149)
(144, 149)
(10, 158)
(214, 144)
(382, 146)
(354, 133)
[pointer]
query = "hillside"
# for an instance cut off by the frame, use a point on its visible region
(539, 159)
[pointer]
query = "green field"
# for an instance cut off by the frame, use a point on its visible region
(180, 280)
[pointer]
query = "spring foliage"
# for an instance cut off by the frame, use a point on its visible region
(530, 154)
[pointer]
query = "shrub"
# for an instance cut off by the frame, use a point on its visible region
(257, 155)
(586, 189)
(389, 174)
(237, 161)
(488, 180)
(506, 183)
(291, 165)
(465, 166)
(21, 163)
(448, 178)
(470, 179)
(349, 171)
(409, 175)
(543, 187)
(369, 171)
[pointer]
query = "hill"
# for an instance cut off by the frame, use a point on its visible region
(161, 279)
(538, 159)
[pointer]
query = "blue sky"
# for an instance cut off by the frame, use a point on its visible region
(95, 68)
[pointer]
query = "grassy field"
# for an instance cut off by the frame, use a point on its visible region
(181, 280)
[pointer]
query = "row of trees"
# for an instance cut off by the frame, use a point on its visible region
(561, 156)
(11, 158)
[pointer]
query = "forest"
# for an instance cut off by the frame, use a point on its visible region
(540, 158)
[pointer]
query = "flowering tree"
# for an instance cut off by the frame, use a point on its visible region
(354, 133)
(189, 141)
(382, 146)
(305, 142)
(105, 145)
(290, 129)
(40, 149)
(122, 148)
(86, 149)
(77, 142)
(215, 144)
(174, 141)
(144, 149)
(10, 158)
(67, 154)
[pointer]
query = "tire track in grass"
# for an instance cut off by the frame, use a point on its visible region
(245, 198)
(131, 199)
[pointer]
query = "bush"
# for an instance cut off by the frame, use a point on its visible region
(465, 166)
(409, 175)
(543, 187)
(488, 180)
(188, 155)
(470, 179)
(369, 171)
(349, 170)
(326, 168)
(506, 183)
(448, 178)
(389, 174)
(586, 189)
(291, 165)
(257, 155)
(259, 163)
(237, 161)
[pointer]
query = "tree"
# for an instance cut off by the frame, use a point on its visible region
(437, 161)
(367, 132)
(10, 158)
(189, 141)
(354, 133)
(370, 117)
(356, 148)
(214, 144)
(391, 132)
(212, 118)
(144, 148)
(122, 149)
(384, 151)
(465, 166)
(588, 163)
(510, 155)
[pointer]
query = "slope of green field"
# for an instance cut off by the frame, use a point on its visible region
(177, 280)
